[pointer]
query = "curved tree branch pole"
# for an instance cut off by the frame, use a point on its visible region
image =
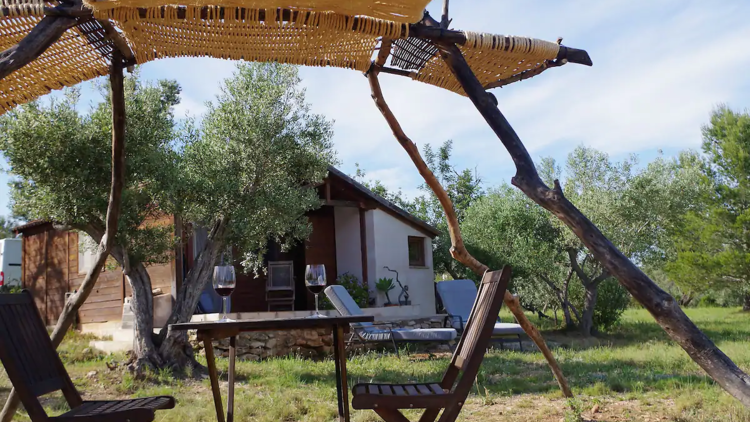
(65, 321)
(458, 250)
(659, 303)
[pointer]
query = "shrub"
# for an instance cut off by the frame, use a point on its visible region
(10, 289)
(612, 301)
(356, 290)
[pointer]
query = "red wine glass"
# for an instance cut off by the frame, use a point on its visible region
(315, 280)
(224, 284)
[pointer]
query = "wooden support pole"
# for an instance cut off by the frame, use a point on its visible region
(384, 52)
(458, 250)
(113, 214)
(363, 245)
(444, 21)
(665, 310)
(119, 42)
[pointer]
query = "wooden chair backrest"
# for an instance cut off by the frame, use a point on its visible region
(477, 333)
(30, 360)
(280, 276)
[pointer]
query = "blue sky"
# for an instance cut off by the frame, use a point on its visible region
(659, 69)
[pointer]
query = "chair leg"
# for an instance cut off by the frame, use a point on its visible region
(395, 346)
(429, 415)
(391, 415)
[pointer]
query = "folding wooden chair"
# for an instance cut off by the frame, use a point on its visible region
(35, 369)
(449, 394)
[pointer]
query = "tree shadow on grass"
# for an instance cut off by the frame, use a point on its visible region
(506, 374)
(633, 333)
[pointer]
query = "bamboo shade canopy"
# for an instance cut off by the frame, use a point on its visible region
(70, 60)
(337, 33)
(405, 11)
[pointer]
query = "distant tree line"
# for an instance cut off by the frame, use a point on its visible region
(685, 220)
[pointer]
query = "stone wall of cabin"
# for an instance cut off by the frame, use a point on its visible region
(313, 343)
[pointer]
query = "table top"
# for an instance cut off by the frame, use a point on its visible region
(272, 324)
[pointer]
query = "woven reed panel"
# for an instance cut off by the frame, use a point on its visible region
(67, 62)
(492, 58)
(406, 11)
(313, 39)
(412, 53)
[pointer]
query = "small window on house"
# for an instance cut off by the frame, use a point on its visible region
(416, 251)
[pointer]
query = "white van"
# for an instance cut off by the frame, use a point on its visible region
(10, 262)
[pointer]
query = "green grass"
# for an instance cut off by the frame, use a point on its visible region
(632, 373)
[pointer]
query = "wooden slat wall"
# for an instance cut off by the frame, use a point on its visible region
(105, 302)
(50, 269)
(34, 251)
(57, 274)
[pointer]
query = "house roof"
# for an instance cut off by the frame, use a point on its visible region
(31, 224)
(385, 204)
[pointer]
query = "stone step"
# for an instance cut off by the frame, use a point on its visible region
(123, 335)
(110, 346)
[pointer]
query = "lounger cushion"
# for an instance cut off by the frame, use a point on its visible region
(406, 334)
(458, 297)
(344, 303)
(505, 329)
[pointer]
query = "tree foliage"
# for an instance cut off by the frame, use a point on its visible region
(713, 245)
(245, 170)
(253, 158)
(463, 187)
(58, 158)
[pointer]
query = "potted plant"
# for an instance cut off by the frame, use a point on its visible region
(385, 285)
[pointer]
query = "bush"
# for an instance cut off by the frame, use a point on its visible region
(10, 289)
(352, 285)
(612, 301)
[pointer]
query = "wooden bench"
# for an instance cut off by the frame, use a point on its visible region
(35, 369)
(449, 394)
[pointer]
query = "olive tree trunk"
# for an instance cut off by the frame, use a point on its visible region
(174, 348)
(589, 303)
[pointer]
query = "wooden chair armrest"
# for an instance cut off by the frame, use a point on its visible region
(130, 415)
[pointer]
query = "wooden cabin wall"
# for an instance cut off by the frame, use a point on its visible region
(320, 248)
(46, 269)
(50, 268)
(34, 267)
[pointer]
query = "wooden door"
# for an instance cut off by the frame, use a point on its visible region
(56, 274)
(320, 247)
(34, 251)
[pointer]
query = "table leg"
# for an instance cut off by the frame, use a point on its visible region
(342, 389)
(230, 395)
(211, 362)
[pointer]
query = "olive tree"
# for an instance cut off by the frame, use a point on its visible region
(246, 174)
(57, 160)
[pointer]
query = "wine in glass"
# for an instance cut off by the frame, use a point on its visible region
(315, 280)
(224, 283)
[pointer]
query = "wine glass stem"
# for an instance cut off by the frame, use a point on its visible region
(317, 311)
(224, 307)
